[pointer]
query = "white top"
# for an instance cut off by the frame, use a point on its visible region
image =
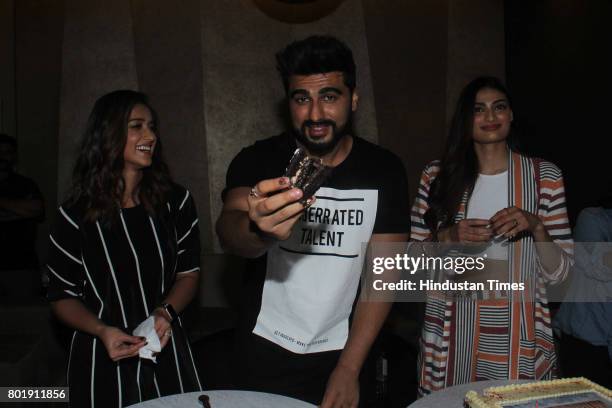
(489, 196)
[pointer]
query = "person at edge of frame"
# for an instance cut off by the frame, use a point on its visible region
(21, 210)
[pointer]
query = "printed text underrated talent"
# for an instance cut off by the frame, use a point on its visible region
(452, 264)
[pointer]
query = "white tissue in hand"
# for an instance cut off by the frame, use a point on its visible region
(147, 329)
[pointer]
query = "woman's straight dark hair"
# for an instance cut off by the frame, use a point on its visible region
(97, 178)
(459, 164)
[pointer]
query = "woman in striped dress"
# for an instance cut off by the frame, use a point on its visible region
(484, 192)
(125, 243)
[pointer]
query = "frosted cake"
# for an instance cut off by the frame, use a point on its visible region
(565, 393)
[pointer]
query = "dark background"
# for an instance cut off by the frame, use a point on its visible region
(208, 67)
(559, 72)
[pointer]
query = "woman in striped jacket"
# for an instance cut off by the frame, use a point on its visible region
(125, 243)
(483, 192)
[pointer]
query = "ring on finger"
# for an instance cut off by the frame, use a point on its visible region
(253, 193)
(168, 333)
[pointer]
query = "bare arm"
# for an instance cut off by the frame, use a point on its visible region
(343, 385)
(180, 295)
(119, 345)
(183, 291)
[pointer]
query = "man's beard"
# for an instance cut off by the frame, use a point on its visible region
(322, 148)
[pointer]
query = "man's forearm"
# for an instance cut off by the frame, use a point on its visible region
(236, 236)
(368, 320)
(370, 316)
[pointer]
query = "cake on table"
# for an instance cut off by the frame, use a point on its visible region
(562, 393)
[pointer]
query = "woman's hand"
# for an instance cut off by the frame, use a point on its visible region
(162, 326)
(467, 230)
(512, 220)
(120, 345)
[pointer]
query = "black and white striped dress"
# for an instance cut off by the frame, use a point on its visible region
(121, 272)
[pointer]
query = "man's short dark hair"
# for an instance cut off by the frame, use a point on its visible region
(6, 139)
(316, 55)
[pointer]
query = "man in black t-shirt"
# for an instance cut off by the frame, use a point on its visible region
(21, 208)
(305, 260)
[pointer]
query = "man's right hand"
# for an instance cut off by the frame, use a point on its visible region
(120, 345)
(273, 210)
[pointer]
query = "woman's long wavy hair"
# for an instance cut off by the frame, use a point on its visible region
(98, 172)
(459, 164)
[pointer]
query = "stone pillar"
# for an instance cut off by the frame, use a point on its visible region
(168, 51)
(97, 58)
(408, 42)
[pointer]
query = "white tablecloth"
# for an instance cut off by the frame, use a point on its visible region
(452, 397)
(225, 399)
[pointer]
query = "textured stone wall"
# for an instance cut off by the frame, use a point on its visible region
(421, 55)
(408, 52)
(168, 51)
(209, 69)
(97, 57)
(244, 98)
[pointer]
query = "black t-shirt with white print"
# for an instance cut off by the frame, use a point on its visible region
(311, 279)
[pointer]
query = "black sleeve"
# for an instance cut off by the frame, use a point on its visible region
(65, 263)
(242, 171)
(393, 213)
(188, 236)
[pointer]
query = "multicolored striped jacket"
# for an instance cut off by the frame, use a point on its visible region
(466, 339)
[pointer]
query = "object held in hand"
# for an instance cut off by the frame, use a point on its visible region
(152, 346)
(205, 400)
(306, 173)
